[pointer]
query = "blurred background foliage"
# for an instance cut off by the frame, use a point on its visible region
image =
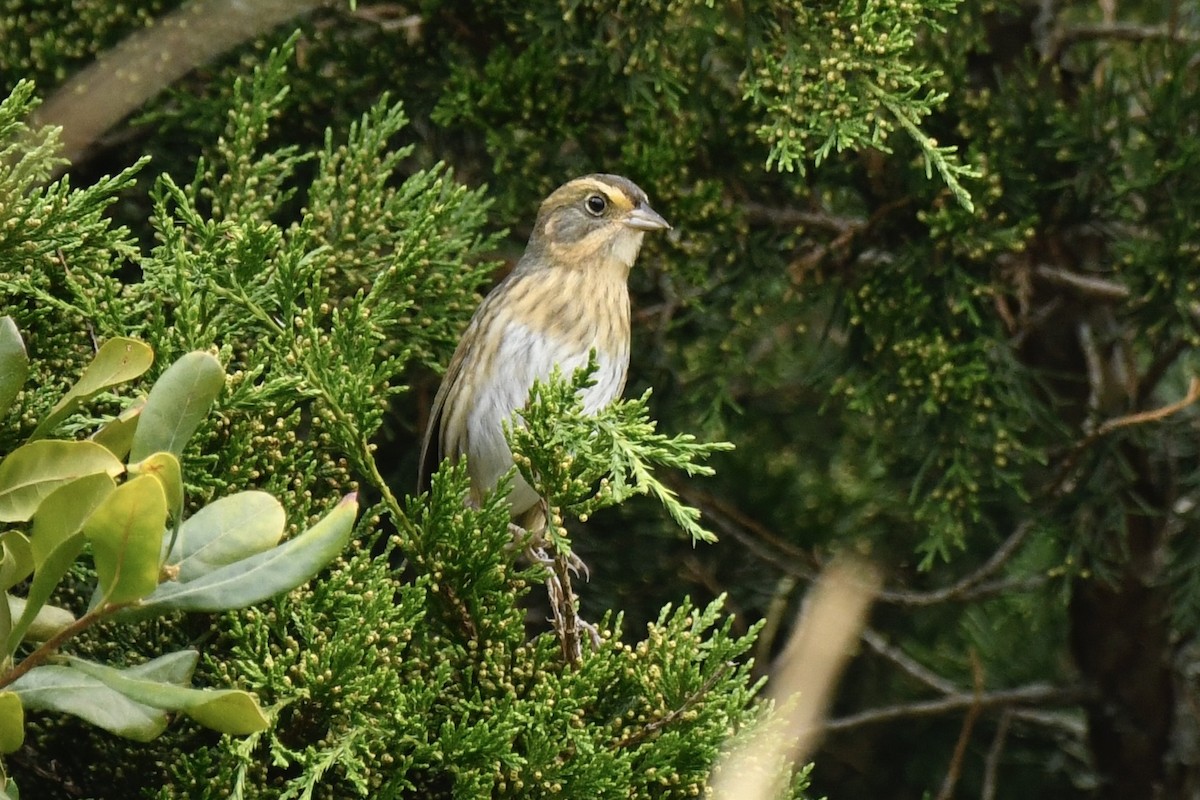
(930, 261)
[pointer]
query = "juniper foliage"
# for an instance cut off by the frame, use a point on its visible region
(991, 397)
(408, 670)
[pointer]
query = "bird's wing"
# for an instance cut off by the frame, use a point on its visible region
(431, 447)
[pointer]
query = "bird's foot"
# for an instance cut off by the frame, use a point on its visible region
(534, 548)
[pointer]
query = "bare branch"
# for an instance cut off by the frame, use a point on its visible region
(794, 217)
(1125, 32)
(907, 663)
(1038, 694)
(962, 589)
(769, 547)
(802, 684)
(122, 79)
(656, 725)
(1141, 418)
(964, 735)
(1087, 285)
(992, 763)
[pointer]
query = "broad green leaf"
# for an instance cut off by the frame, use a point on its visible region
(174, 668)
(165, 467)
(117, 434)
(31, 472)
(69, 691)
(44, 623)
(226, 531)
(264, 575)
(14, 363)
(16, 559)
(55, 541)
(117, 361)
(229, 711)
(63, 512)
(126, 532)
(16, 562)
(178, 403)
(12, 722)
(6, 626)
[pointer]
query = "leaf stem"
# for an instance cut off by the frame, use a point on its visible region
(52, 645)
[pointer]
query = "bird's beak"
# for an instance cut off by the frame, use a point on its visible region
(645, 218)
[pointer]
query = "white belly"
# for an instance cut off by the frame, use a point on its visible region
(524, 358)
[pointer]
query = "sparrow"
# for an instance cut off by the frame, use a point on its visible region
(567, 295)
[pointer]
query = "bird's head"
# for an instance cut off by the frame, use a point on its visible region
(594, 221)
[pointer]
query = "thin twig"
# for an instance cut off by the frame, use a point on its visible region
(770, 548)
(964, 735)
(1067, 464)
(962, 587)
(51, 646)
(773, 621)
(565, 606)
(1087, 285)
(1142, 417)
(1158, 368)
(795, 217)
(1030, 323)
(756, 537)
(907, 664)
(651, 727)
(1064, 722)
(1125, 32)
(1034, 694)
(991, 766)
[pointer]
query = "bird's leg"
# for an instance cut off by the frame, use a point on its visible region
(564, 606)
(564, 619)
(529, 535)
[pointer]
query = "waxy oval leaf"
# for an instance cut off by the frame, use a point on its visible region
(44, 624)
(117, 434)
(14, 363)
(229, 711)
(178, 402)
(259, 577)
(57, 688)
(12, 723)
(55, 541)
(117, 361)
(226, 531)
(16, 559)
(126, 532)
(31, 472)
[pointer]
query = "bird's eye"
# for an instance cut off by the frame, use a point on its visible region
(596, 204)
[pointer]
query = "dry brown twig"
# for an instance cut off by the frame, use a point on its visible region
(966, 587)
(655, 725)
(964, 735)
(992, 764)
(1037, 694)
(1063, 481)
